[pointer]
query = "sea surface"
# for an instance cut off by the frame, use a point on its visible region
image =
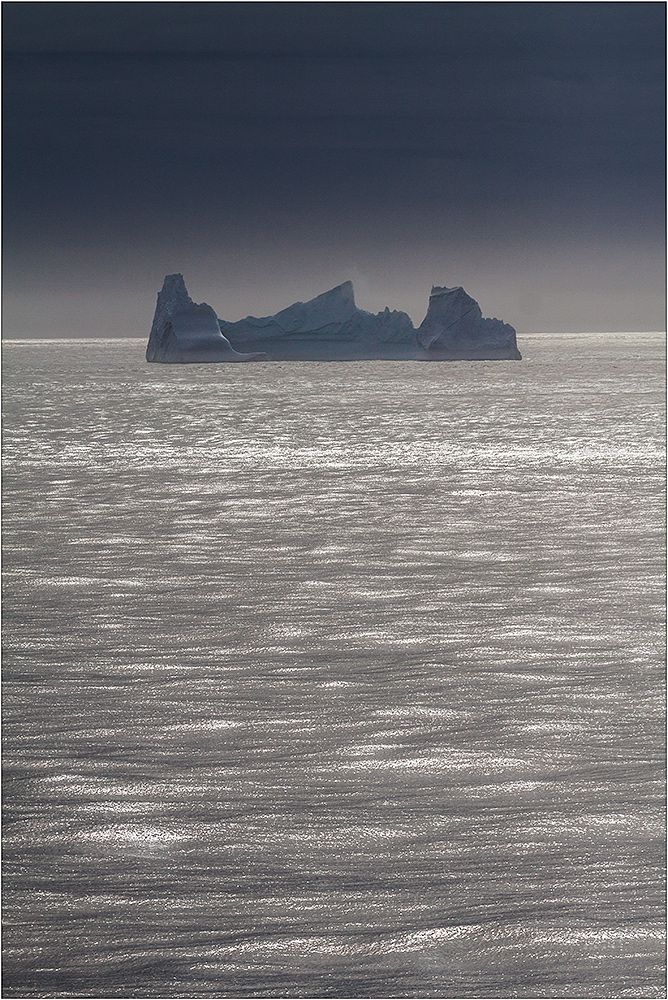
(334, 679)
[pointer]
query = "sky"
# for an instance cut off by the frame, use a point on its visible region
(270, 151)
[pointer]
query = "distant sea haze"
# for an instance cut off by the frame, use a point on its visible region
(334, 680)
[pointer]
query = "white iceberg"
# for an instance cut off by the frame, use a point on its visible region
(329, 327)
(454, 329)
(184, 332)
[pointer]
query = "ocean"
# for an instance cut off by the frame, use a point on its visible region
(335, 679)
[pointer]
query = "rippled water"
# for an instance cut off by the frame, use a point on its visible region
(334, 680)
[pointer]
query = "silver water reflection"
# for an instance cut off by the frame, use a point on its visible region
(334, 680)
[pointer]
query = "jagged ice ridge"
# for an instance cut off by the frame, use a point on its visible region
(329, 327)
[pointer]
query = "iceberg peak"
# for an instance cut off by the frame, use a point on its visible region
(345, 292)
(174, 289)
(184, 331)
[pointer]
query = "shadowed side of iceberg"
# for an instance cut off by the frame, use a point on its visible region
(454, 329)
(184, 332)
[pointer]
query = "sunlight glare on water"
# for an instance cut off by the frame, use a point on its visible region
(334, 680)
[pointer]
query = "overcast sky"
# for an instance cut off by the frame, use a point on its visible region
(270, 151)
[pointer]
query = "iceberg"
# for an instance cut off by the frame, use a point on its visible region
(329, 327)
(184, 332)
(454, 329)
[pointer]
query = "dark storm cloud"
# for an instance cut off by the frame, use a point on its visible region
(342, 29)
(135, 109)
(160, 122)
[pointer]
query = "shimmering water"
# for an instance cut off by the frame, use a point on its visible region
(334, 680)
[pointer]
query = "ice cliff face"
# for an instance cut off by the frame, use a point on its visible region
(184, 332)
(329, 327)
(454, 328)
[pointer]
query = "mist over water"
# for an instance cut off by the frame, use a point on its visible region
(334, 679)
